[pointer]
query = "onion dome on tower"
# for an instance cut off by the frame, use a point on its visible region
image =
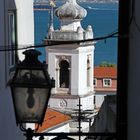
(70, 15)
(71, 10)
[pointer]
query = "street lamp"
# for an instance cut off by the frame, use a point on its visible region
(31, 89)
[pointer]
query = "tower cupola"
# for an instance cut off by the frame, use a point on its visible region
(70, 15)
(71, 10)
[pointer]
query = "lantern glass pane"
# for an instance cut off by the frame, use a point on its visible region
(30, 76)
(30, 103)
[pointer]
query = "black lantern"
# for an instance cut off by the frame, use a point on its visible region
(31, 88)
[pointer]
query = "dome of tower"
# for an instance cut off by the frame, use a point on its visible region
(70, 10)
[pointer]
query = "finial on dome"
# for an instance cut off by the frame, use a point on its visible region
(71, 1)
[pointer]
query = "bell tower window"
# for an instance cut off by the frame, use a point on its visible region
(64, 74)
(88, 70)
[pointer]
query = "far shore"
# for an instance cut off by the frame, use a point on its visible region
(46, 3)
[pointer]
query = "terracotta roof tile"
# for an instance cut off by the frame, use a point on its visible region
(53, 118)
(105, 72)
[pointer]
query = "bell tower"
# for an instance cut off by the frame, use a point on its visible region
(71, 60)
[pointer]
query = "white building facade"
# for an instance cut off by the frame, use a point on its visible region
(71, 65)
(17, 29)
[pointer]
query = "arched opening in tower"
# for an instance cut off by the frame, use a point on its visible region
(88, 72)
(64, 74)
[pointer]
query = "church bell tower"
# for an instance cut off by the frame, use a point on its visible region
(71, 60)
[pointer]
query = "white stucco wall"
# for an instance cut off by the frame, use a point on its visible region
(71, 103)
(87, 102)
(25, 26)
(78, 68)
(82, 71)
(63, 128)
(99, 98)
(74, 74)
(78, 75)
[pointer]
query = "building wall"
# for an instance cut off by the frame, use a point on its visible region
(25, 26)
(98, 100)
(105, 120)
(78, 86)
(134, 76)
(100, 86)
(9, 129)
(101, 91)
(82, 71)
(78, 66)
(72, 102)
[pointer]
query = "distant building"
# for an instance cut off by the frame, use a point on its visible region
(105, 83)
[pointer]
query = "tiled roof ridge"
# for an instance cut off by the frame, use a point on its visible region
(105, 72)
(53, 118)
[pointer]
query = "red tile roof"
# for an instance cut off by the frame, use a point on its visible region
(53, 118)
(105, 72)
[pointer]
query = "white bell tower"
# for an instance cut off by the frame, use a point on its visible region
(70, 63)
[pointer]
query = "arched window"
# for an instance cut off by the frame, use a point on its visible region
(64, 74)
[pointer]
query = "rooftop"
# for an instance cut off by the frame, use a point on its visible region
(52, 119)
(105, 72)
